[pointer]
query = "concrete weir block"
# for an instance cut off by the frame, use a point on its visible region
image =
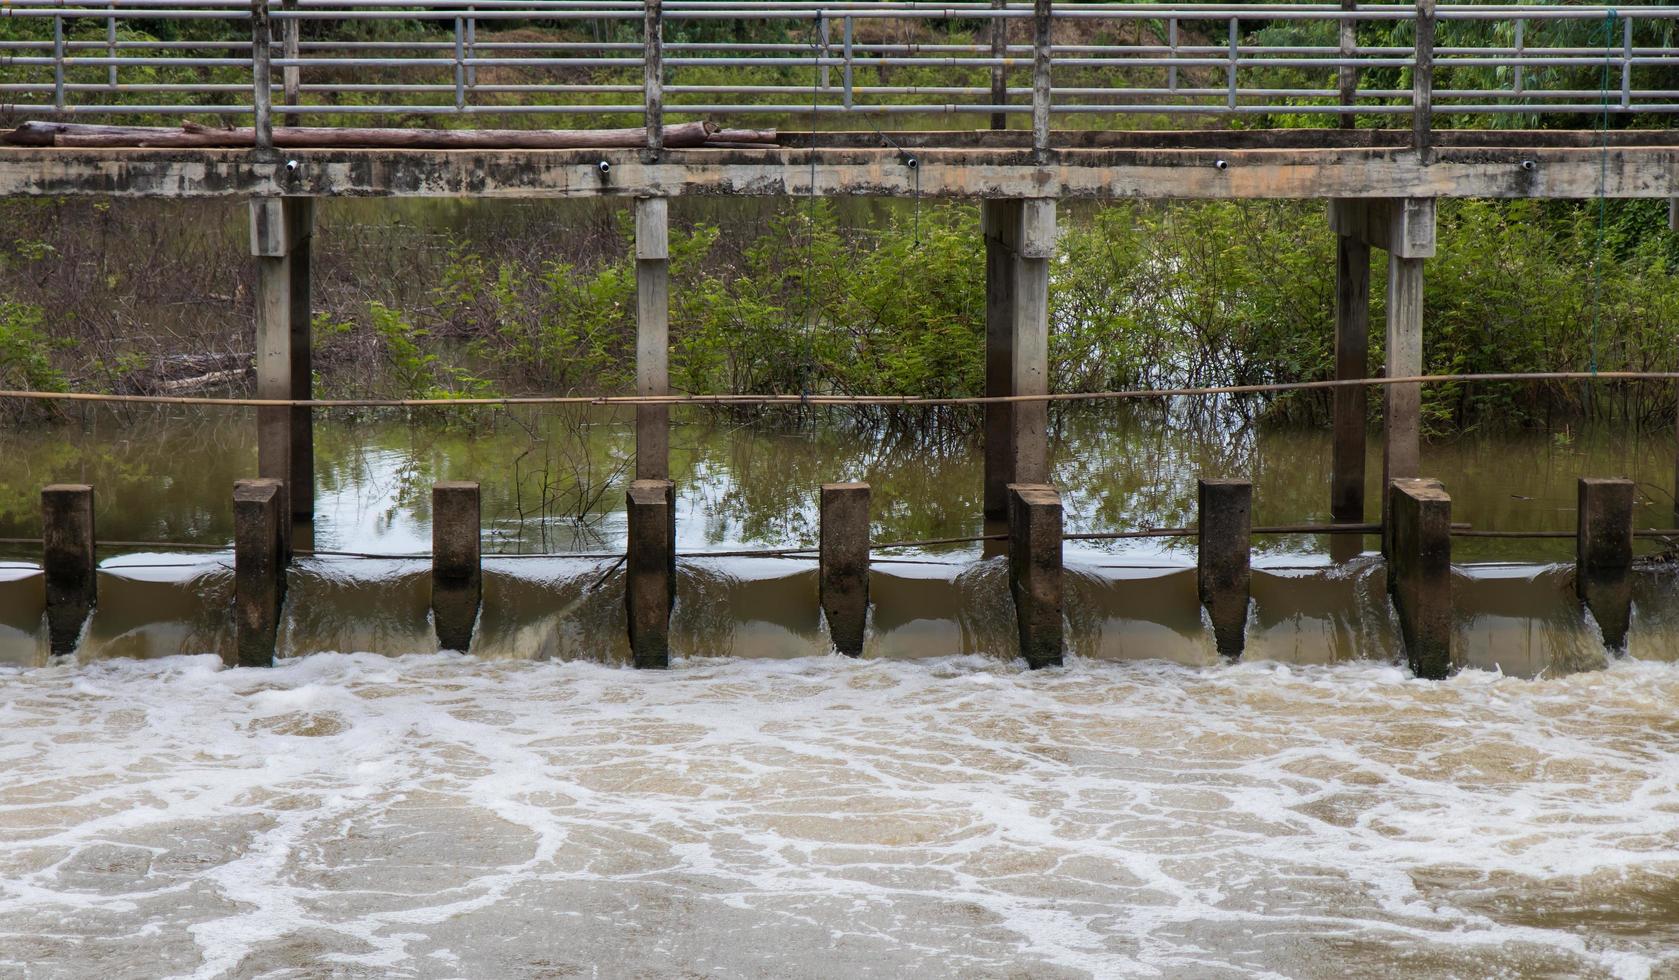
(843, 570)
(457, 579)
(1420, 573)
(1035, 571)
(1221, 565)
(650, 564)
(67, 562)
(1603, 556)
(259, 569)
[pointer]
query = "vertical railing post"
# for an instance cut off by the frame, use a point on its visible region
(653, 78)
(1348, 71)
(999, 74)
(652, 336)
(262, 93)
(291, 76)
(1042, 21)
(1422, 82)
(1521, 52)
(460, 63)
(1626, 63)
(1172, 45)
(823, 76)
(1234, 54)
(111, 48)
(471, 47)
(58, 60)
(847, 76)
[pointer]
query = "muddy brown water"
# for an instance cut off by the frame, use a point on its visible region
(372, 807)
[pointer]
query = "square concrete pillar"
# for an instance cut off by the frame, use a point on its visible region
(1035, 524)
(1603, 556)
(259, 569)
(457, 581)
(281, 233)
(843, 570)
(1351, 404)
(1222, 576)
(68, 563)
(652, 348)
(649, 565)
(1420, 573)
(1019, 245)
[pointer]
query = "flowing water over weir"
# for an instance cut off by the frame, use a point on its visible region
(764, 809)
(437, 816)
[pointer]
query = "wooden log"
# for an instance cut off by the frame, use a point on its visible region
(744, 136)
(192, 135)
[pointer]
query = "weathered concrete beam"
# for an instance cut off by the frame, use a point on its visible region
(1603, 556)
(67, 563)
(259, 569)
(457, 578)
(652, 346)
(1420, 573)
(649, 565)
(1404, 227)
(1222, 575)
(1194, 174)
(281, 235)
(843, 569)
(1035, 571)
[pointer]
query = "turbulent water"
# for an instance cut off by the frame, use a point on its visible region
(439, 816)
(768, 810)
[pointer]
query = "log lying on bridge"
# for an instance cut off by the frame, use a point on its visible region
(194, 136)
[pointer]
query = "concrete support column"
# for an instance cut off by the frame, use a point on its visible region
(457, 577)
(650, 565)
(259, 569)
(67, 563)
(843, 570)
(652, 348)
(1420, 573)
(1402, 404)
(281, 229)
(1222, 575)
(1035, 571)
(1603, 556)
(1352, 360)
(1019, 244)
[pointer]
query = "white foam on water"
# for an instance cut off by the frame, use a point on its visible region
(442, 816)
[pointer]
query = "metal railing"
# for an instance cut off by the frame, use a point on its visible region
(332, 60)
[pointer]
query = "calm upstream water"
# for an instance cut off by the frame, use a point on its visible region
(372, 807)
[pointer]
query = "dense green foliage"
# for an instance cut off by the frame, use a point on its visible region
(1142, 296)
